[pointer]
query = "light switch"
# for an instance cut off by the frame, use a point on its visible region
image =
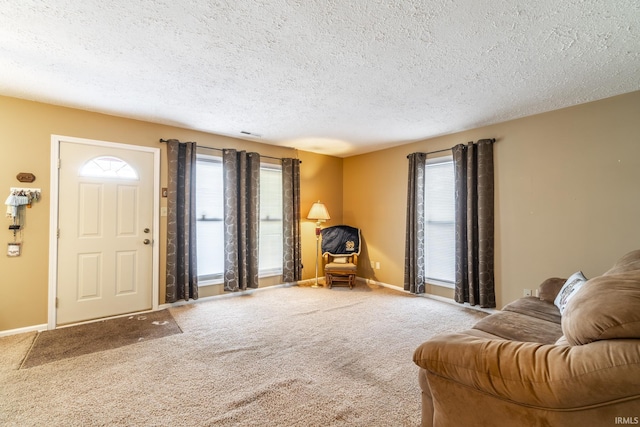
(163, 211)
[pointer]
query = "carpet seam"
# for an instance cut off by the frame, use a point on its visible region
(26, 356)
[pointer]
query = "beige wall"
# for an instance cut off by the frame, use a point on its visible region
(325, 173)
(27, 128)
(567, 195)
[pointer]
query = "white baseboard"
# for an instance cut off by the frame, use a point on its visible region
(430, 296)
(35, 328)
(43, 327)
(306, 282)
(375, 282)
(226, 295)
(312, 281)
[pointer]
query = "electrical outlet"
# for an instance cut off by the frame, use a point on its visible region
(527, 292)
(377, 265)
(373, 265)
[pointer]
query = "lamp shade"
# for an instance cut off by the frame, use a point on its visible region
(318, 212)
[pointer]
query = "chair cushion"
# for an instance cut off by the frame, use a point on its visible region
(338, 267)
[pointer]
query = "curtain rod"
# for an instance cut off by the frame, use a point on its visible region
(449, 149)
(221, 149)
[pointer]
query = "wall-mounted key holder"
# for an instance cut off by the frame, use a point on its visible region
(22, 197)
(18, 200)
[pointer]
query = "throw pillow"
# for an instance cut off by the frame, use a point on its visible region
(569, 289)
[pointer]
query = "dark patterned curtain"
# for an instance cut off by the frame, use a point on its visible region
(241, 219)
(291, 248)
(182, 273)
(474, 191)
(414, 243)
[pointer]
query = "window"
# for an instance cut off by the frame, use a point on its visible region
(270, 220)
(440, 221)
(210, 219)
(108, 167)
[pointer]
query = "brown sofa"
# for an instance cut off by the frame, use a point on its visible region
(527, 365)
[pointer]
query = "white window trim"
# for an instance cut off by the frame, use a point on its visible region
(440, 283)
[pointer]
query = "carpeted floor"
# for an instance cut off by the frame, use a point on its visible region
(292, 356)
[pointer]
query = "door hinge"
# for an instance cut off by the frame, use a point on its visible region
(59, 163)
(58, 233)
(57, 301)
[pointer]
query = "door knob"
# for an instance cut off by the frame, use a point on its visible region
(146, 241)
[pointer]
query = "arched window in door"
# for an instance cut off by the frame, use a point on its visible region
(108, 167)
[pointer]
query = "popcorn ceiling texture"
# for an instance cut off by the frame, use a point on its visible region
(334, 77)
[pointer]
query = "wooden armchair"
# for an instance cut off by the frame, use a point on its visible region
(340, 250)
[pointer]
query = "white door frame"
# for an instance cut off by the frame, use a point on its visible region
(53, 217)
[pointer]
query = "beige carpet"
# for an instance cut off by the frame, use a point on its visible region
(58, 344)
(295, 356)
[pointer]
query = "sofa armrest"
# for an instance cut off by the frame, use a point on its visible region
(548, 290)
(548, 376)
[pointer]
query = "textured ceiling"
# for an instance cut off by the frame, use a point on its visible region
(331, 76)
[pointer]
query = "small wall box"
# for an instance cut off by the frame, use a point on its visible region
(13, 249)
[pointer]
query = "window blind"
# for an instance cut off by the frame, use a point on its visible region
(440, 220)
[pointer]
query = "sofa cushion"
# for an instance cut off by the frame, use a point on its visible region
(534, 375)
(629, 262)
(532, 306)
(548, 290)
(568, 290)
(606, 307)
(514, 326)
(481, 334)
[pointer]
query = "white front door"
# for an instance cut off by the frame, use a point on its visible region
(105, 231)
